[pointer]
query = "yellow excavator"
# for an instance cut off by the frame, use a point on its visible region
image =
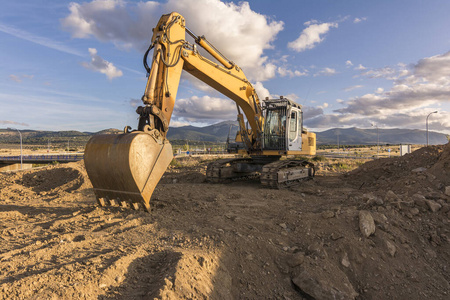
(125, 168)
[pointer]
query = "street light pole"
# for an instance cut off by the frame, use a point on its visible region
(21, 155)
(434, 112)
(338, 140)
(378, 138)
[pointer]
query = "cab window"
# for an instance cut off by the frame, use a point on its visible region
(293, 126)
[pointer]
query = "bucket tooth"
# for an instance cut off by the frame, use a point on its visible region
(146, 207)
(101, 202)
(126, 166)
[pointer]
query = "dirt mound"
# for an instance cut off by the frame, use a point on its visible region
(441, 169)
(67, 179)
(424, 169)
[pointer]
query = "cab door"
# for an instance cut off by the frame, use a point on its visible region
(294, 136)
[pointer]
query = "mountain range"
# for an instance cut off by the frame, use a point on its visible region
(358, 136)
(344, 136)
(219, 132)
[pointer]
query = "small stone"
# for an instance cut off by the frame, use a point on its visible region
(336, 236)
(391, 197)
(366, 223)
(419, 200)
(433, 205)
(102, 285)
(297, 259)
(249, 257)
(419, 170)
(447, 190)
(391, 248)
(327, 214)
(414, 211)
(371, 199)
(283, 225)
(345, 261)
(445, 207)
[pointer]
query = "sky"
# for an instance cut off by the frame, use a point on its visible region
(77, 65)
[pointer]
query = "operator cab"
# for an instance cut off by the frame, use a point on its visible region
(283, 125)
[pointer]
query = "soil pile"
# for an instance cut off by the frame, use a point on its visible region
(379, 232)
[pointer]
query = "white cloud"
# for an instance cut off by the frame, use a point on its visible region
(174, 123)
(7, 122)
(358, 20)
(326, 72)
(286, 72)
(349, 63)
(360, 67)
(98, 64)
(405, 104)
(15, 78)
(386, 72)
(204, 109)
(18, 78)
(434, 69)
(311, 36)
(261, 91)
(292, 97)
(310, 112)
(128, 25)
(307, 23)
(354, 87)
(135, 102)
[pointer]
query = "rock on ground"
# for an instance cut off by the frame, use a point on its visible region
(366, 223)
(321, 279)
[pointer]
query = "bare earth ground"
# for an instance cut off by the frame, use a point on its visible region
(379, 232)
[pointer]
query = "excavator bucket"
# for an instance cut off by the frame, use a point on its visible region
(124, 169)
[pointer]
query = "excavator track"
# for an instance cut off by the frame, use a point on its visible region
(285, 173)
(225, 170)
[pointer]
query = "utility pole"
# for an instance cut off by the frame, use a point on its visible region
(338, 141)
(378, 139)
(337, 134)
